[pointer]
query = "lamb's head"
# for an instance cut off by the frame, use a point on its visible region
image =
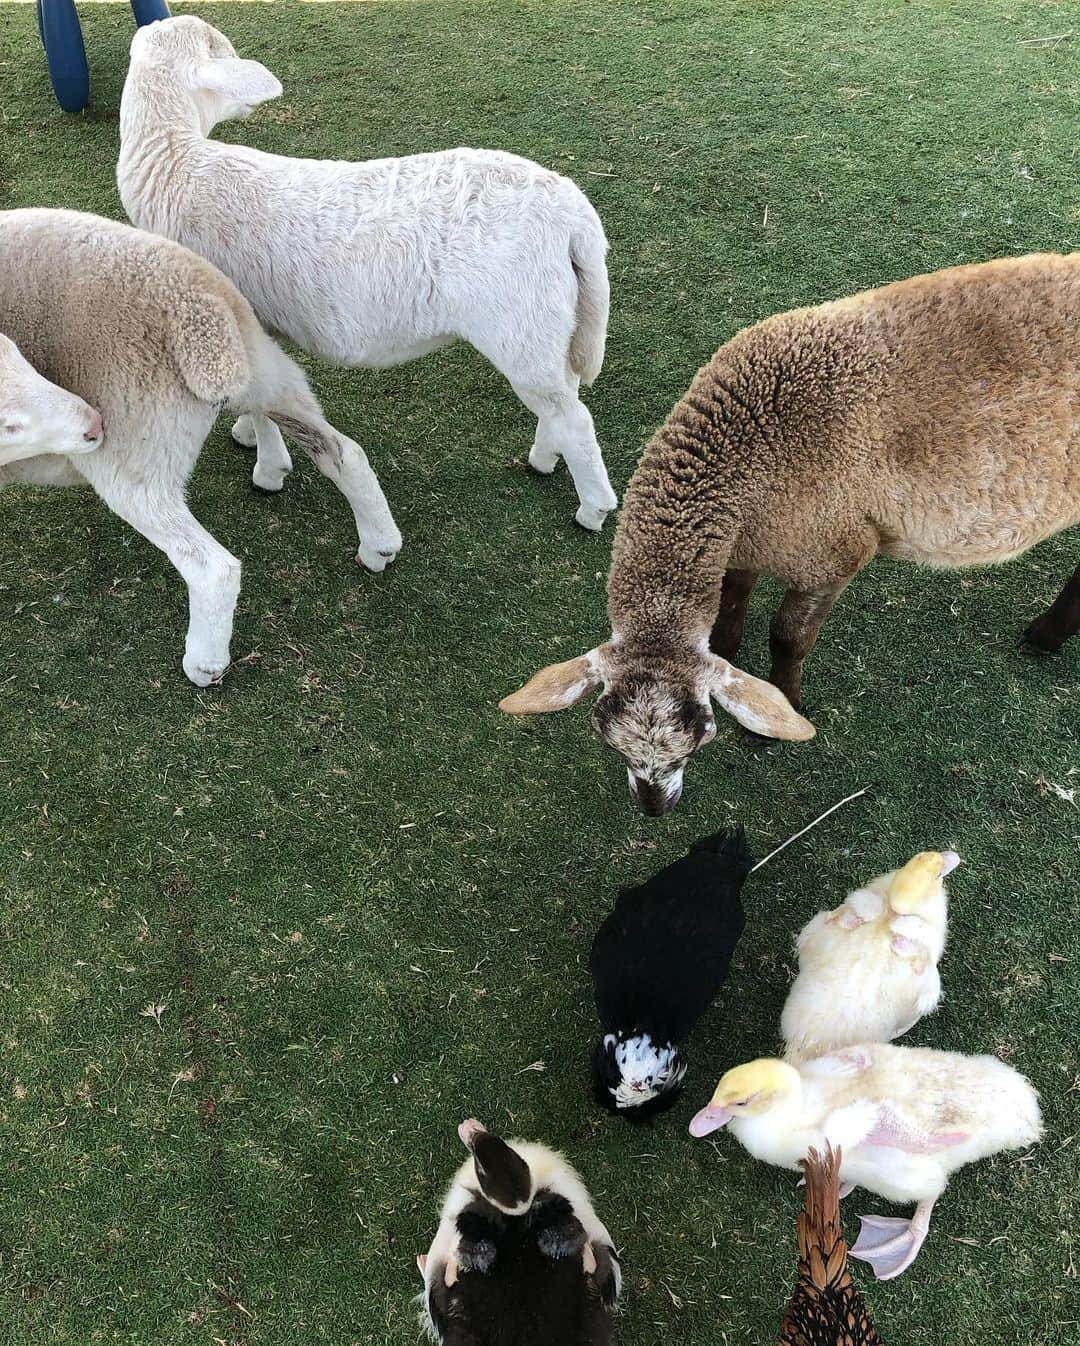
(655, 709)
(201, 62)
(38, 417)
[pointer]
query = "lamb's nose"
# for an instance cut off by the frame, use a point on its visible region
(95, 429)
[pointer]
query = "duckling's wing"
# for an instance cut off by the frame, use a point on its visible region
(557, 1230)
(865, 904)
(852, 1125)
(838, 1065)
(897, 1132)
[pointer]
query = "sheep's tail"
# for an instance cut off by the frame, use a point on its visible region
(208, 346)
(588, 248)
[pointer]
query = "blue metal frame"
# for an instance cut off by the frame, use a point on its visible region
(65, 54)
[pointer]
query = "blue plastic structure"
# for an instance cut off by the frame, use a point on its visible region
(65, 55)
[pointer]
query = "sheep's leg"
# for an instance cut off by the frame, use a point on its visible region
(1060, 620)
(565, 427)
(344, 462)
(211, 573)
(792, 634)
(272, 461)
(727, 632)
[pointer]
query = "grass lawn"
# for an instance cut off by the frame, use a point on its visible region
(263, 947)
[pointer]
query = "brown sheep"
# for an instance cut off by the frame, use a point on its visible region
(936, 420)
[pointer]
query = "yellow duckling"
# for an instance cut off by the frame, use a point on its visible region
(904, 1117)
(868, 970)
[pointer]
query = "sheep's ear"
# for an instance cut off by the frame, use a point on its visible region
(242, 81)
(757, 705)
(556, 687)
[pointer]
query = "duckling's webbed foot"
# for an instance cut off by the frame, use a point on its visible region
(890, 1245)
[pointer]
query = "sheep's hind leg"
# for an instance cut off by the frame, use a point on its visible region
(727, 632)
(565, 427)
(345, 463)
(211, 573)
(1058, 623)
(272, 461)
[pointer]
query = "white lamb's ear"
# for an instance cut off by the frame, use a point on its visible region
(556, 687)
(242, 81)
(756, 704)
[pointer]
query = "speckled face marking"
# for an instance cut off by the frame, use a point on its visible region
(645, 1070)
(656, 708)
(654, 728)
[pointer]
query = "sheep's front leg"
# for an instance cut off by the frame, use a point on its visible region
(345, 463)
(727, 632)
(1060, 620)
(272, 461)
(792, 634)
(211, 573)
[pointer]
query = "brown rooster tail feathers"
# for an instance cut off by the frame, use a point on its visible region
(825, 1308)
(822, 1250)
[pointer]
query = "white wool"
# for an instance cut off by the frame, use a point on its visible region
(374, 263)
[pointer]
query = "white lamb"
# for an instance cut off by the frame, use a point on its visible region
(38, 417)
(158, 340)
(372, 264)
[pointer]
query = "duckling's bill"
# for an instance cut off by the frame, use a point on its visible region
(710, 1119)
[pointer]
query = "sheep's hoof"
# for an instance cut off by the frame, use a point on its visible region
(203, 675)
(592, 520)
(1030, 643)
(268, 484)
(543, 461)
(373, 561)
(243, 433)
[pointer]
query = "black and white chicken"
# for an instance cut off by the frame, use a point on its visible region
(658, 961)
(520, 1257)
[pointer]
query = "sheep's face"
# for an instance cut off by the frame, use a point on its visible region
(222, 87)
(654, 725)
(656, 709)
(36, 416)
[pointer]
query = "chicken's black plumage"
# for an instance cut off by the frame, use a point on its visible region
(521, 1281)
(658, 961)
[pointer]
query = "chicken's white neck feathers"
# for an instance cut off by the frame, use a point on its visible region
(645, 1068)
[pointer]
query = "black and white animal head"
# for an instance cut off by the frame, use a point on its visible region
(36, 416)
(204, 63)
(502, 1175)
(634, 1077)
(655, 710)
(516, 1214)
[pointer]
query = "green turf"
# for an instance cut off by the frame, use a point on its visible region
(364, 898)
